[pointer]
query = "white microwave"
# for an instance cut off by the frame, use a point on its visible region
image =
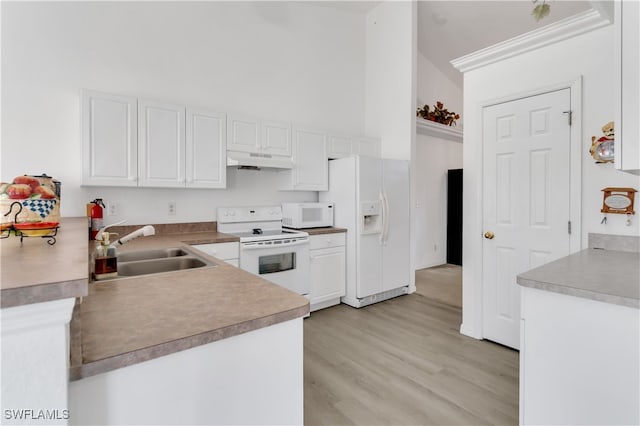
(307, 215)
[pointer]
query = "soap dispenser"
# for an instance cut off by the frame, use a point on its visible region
(105, 258)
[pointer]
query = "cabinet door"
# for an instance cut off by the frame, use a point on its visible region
(367, 146)
(109, 139)
(243, 134)
(161, 147)
(310, 165)
(627, 84)
(276, 138)
(339, 146)
(206, 149)
(327, 270)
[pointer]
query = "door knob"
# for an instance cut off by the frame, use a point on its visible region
(489, 235)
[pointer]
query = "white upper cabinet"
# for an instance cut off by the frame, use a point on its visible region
(276, 138)
(245, 134)
(109, 139)
(310, 166)
(344, 146)
(627, 67)
(161, 147)
(340, 146)
(367, 146)
(206, 151)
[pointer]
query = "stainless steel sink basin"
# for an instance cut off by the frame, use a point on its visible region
(151, 254)
(154, 266)
(155, 261)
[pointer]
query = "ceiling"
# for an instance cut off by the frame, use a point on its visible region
(450, 29)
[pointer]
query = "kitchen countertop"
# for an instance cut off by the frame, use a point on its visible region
(130, 320)
(321, 231)
(35, 272)
(604, 275)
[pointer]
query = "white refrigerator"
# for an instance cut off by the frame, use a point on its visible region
(371, 200)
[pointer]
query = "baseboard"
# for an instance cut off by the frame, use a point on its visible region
(469, 331)
(431, 265)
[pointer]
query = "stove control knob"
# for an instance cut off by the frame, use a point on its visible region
(233, 213)
(225, 213)
(271, 211)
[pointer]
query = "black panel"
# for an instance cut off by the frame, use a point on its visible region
(454, 217)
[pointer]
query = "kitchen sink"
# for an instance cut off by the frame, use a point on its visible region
(151, 254)
(154, 266)
(155, 261)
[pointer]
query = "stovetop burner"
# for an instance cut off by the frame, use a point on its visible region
(257, 231)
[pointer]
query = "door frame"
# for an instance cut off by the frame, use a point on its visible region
(472, 280)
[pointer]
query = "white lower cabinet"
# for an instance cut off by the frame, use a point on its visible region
(229, 252)
(578, 361)
(327, 269)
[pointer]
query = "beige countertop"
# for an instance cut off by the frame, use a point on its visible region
(130, 320)
(609, 276)
(34, 271)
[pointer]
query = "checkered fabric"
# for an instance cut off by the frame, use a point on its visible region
(40, 206)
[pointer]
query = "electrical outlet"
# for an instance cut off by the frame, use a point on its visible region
(172, 207)
(112, 209)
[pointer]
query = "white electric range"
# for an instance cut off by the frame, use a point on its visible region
(278, 255)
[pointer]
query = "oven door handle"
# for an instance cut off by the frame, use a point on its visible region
(272, 246)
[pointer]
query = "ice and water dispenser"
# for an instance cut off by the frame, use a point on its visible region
(371, 217)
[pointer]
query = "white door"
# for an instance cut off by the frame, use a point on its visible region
(206, 149)
(109, 139)
(395, 238)
(161, 146)
(369, 252)
(526, 195)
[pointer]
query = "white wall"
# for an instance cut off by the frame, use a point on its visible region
(390, 77)
(280, 60)
(589, 55)
(433, 157)
(434, 85)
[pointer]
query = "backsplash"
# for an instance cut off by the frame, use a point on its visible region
(630, 243)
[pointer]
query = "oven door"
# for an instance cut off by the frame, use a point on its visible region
(282, 263)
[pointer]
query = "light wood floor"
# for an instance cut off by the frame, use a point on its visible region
(442, 283)
(404, 362)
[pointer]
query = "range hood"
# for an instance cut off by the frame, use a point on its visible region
(250, 160)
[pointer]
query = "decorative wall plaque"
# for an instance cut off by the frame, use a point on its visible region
(618, 200)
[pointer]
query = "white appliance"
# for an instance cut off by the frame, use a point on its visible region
(371, 200)
(307, 215)
(275, 254)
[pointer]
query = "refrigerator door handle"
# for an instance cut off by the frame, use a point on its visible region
(385, 218)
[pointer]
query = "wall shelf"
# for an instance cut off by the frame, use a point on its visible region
(438, 130)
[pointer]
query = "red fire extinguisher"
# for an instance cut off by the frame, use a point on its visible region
(95, 213)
